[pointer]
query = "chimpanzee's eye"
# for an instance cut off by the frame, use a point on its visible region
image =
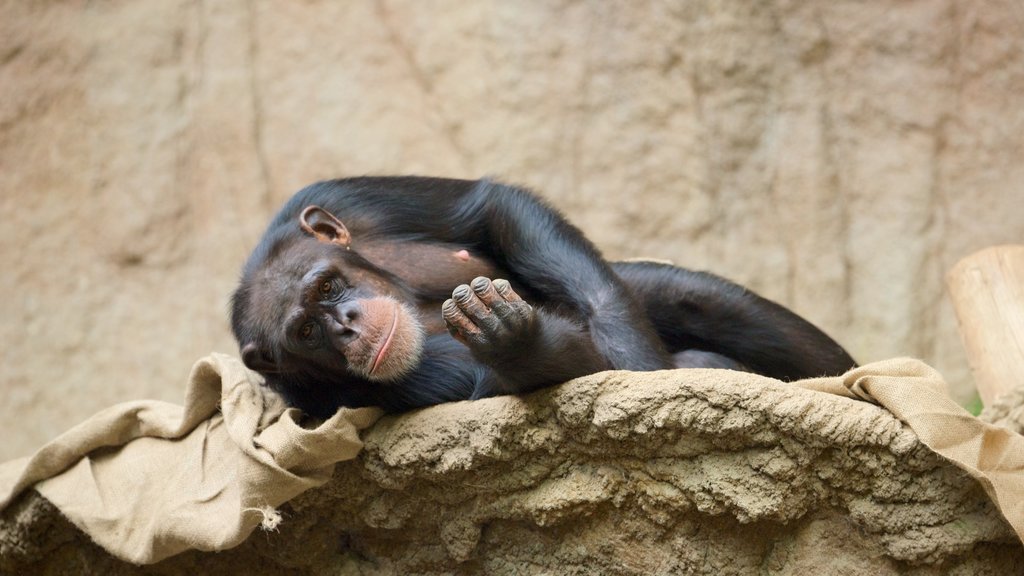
(326, 288)
(307, 330)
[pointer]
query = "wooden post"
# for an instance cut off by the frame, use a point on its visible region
(987, 289)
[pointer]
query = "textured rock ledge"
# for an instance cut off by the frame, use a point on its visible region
(697, 472)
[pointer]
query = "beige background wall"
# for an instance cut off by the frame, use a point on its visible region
(836, 156)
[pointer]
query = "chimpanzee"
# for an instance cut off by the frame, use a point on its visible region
(409, 291)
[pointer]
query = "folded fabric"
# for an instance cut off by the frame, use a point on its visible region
(146, 480)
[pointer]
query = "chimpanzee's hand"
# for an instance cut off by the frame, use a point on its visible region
(490, 318)
(526, 347)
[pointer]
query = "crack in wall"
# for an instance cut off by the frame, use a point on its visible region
(830, 147)
(777, 83)
(256, 95)
(447, 128)
(576, 153)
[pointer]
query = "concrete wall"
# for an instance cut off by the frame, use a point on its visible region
(836, 156)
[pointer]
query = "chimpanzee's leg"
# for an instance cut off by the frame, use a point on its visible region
(703, 359)
(699, 311)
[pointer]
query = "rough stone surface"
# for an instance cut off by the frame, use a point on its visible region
(837, 156)
(1007, 410)
(617, 473)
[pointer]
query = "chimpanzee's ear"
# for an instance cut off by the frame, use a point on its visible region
(323, 226)
(255, 359)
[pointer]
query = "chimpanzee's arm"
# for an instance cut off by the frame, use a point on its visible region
(547, 253)
(521, 234)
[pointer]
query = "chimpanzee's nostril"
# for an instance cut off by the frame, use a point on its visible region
(345, 322)
(346, 335)
(348, 314)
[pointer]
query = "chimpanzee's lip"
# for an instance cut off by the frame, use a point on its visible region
(383, 351)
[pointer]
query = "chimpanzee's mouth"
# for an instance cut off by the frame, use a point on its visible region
(386, 345)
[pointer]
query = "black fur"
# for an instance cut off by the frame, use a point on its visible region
(591, 315)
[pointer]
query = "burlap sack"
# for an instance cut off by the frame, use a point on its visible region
(149, 479)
